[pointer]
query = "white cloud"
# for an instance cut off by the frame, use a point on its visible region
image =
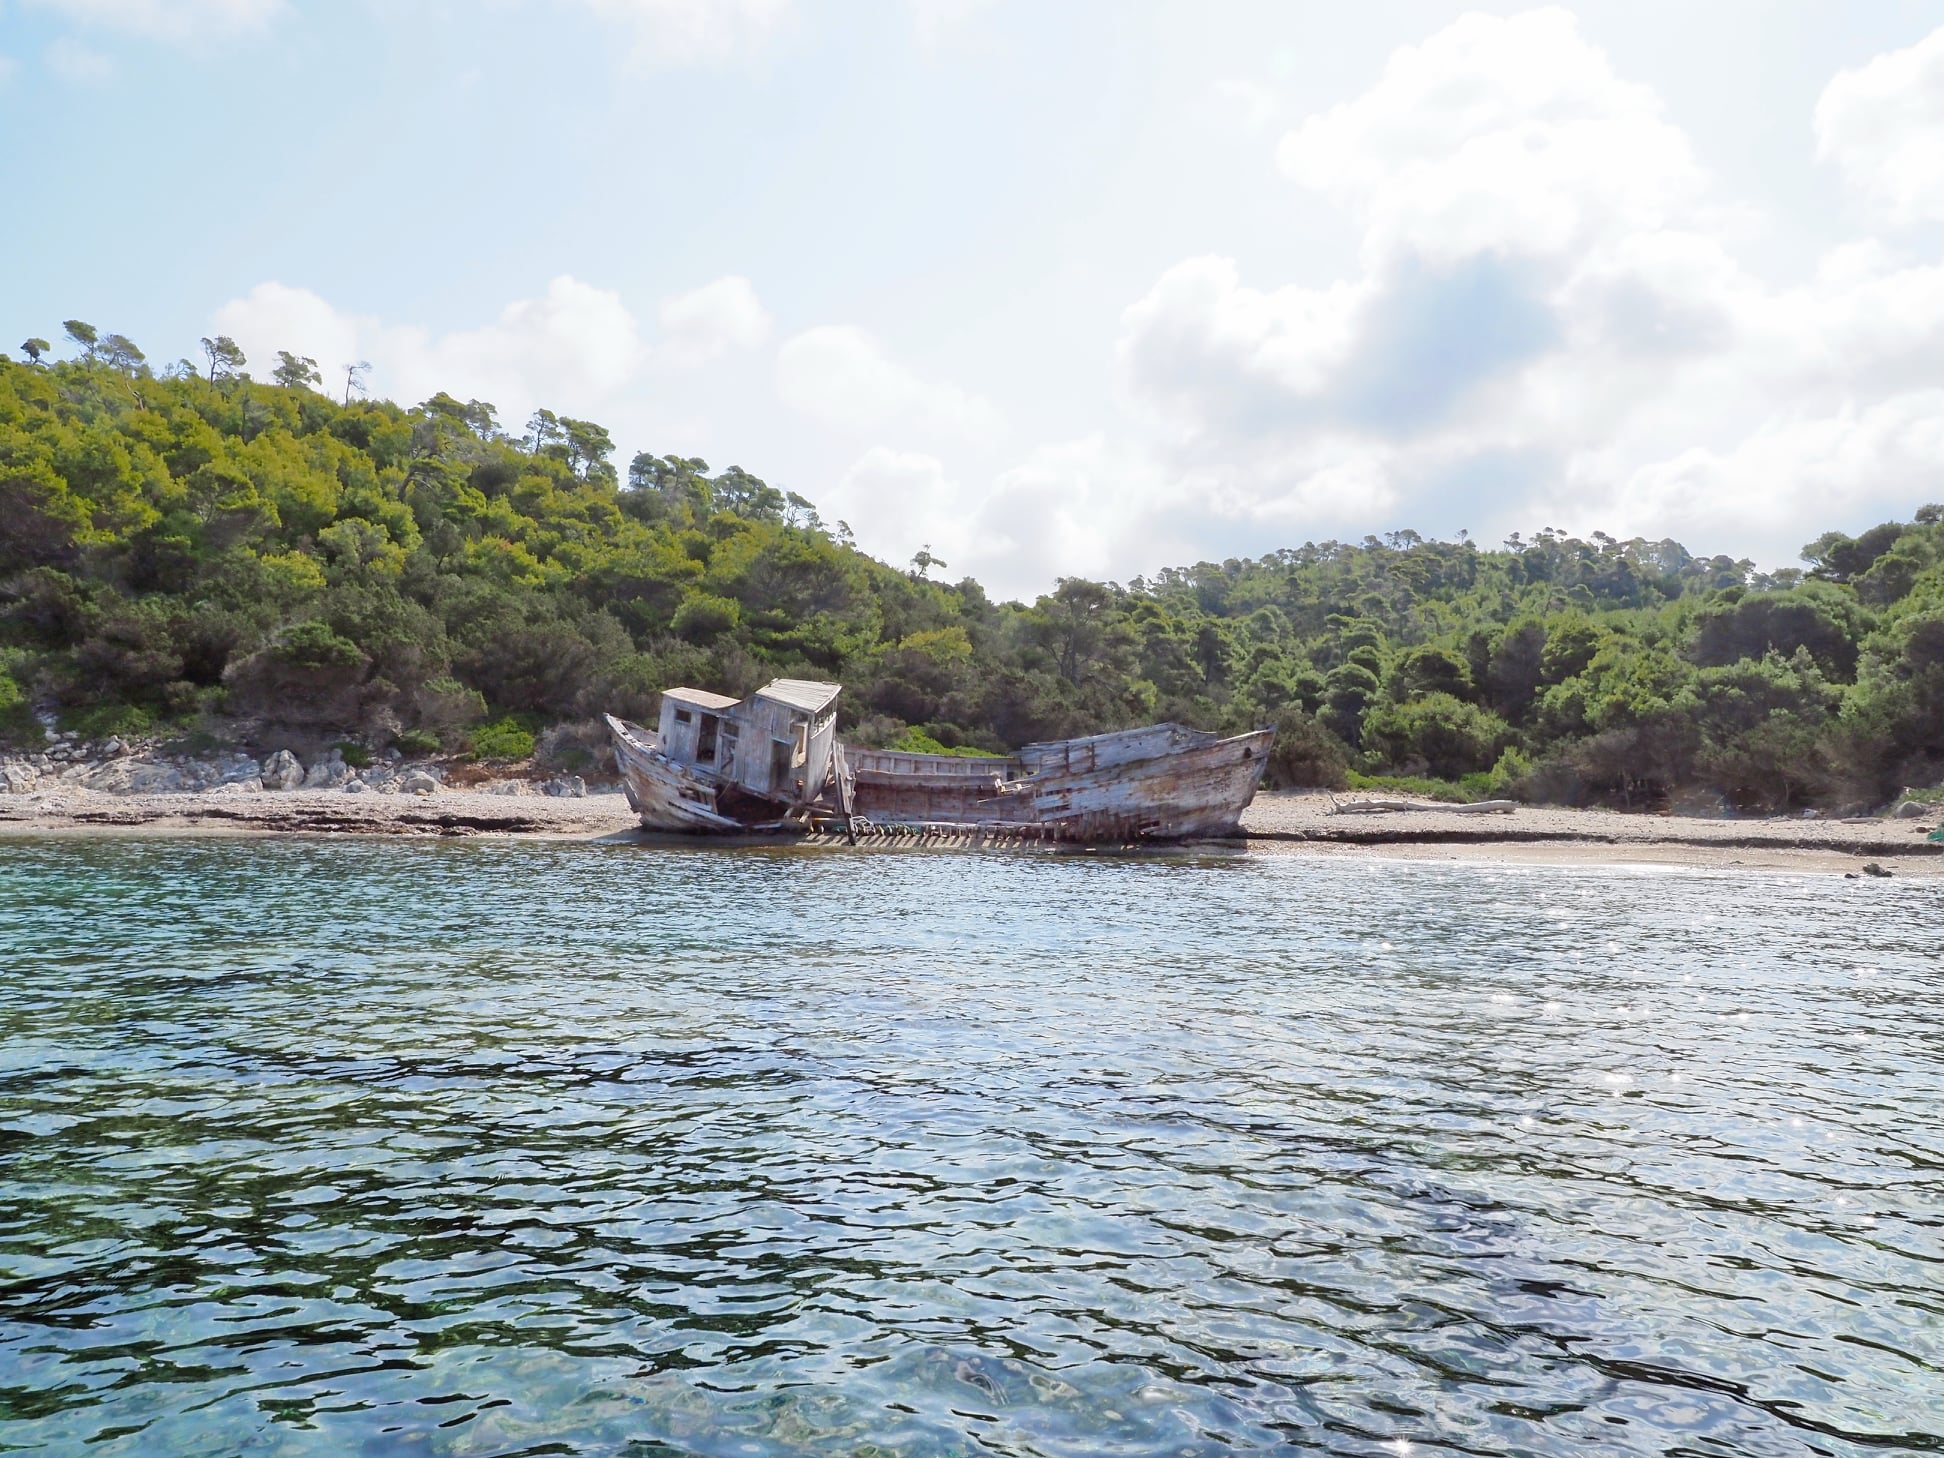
(1791, 478)
(935, 21)
(1065, 511)
(1496, 132)
(1249, 105)
(1073, 507)
(897, 502)
(1883, 125)
(169, 20)
(844, 379)
(1203, 348)
(694, 32)
(712, 320)
(72, 61)
(1548, 323)
(575, 348)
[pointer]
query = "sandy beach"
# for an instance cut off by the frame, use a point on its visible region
(1554, 835)
(1281, 823)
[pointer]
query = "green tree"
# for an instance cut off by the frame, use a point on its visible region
(296, 371)
(118, 352)
(1073, 622)
(1430, 669)
(1439, 732)
(225, 357)
(84, 335)
(588, 449)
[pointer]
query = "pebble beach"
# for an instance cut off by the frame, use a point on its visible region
(137, 792)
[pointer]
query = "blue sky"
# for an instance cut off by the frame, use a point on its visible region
(1052, 288)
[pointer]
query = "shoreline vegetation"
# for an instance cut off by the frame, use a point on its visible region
(211, 568)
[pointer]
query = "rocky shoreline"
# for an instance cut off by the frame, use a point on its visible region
(118, 767)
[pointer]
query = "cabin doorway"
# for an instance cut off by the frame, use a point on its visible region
(781, 753)
(705, 740)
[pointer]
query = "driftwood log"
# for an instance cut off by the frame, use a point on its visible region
(1373, 806)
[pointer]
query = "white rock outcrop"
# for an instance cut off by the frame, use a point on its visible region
(281, 771)
(241, 770)
(153, 779)
(329, 772)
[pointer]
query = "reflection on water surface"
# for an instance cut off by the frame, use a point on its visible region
(312, 1147)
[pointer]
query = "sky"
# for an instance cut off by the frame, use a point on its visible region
(1051, 287)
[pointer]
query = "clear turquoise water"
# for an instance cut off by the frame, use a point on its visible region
(319, 1147)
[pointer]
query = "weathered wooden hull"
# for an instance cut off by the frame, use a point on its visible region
(668, 796)
(1187, 791)
(895, 788)
(1161, 783)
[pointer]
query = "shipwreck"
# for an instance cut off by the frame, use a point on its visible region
(772, 764)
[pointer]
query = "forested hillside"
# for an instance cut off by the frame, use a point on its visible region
(195, 551)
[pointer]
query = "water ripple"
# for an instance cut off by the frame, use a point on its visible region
(321, 1147)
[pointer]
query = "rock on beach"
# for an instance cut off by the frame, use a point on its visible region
(282, 771)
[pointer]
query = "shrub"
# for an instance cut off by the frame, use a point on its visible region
(1418, 785)
(17, 721)
(196, 741)
(703, 617)
(1304, 754)
(99, 721)
(314, 646)
(445, 706)
(1448, 736)
(504, 740)
(917, 741)
(1508, 777)
(307, 675)
(353, 753)
(416, 741)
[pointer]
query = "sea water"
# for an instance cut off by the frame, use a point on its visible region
(335, 1147)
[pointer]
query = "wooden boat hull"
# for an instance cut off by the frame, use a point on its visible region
(668, 796)
(892, 787)
(1164, 782)
(1161, 783)
(1184, 793)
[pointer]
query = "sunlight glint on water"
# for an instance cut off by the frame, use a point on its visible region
(464, 1149)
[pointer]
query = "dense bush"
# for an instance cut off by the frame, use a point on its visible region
(1305, 755)
(177, 551)
(1437, 734)
(504, 740)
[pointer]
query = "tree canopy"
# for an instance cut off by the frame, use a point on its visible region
(198, 547)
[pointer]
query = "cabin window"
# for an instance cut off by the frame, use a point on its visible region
(728, 764)
(682, 716)
(705, 744)
(800, 750)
